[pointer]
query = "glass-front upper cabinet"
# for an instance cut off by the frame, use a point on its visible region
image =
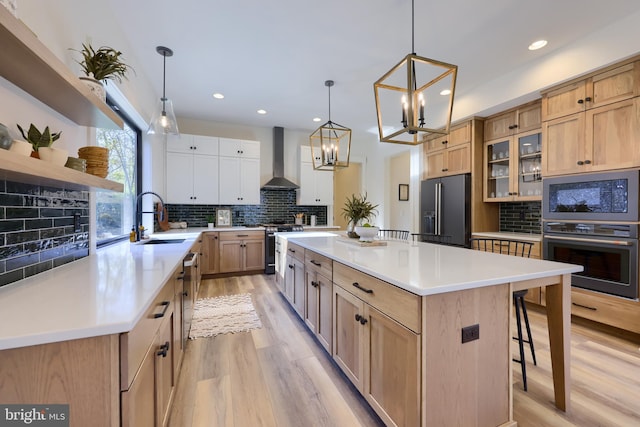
(512, 168)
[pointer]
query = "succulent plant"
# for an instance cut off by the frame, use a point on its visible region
(39, 139)
(104, 63)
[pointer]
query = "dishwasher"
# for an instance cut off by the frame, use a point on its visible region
(189, 264)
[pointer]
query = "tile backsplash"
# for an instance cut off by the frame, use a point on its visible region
(37, 229)
(521, 217)
(275, 205)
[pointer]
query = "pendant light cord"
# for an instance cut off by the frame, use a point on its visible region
(164, 79)
(329, 86)
(413, 47)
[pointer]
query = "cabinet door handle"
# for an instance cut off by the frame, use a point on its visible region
(180, 276)
(165, 307)
(588, 99)
(314, 284)
(164, 348)
(587, 162)
(580, 163)
(358, 317)
(291, 266)
(242, 235)
(584, 306)
(445, 142)
(316, 263)
(580, 101)
(362, 320)
(185, 293)
(357, 285)
(293, 251)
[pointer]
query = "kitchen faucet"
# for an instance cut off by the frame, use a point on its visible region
(139, 212)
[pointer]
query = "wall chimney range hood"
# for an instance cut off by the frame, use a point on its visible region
(279, 182)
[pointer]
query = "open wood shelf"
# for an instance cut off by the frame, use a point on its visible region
(30, 65)
(15, 167)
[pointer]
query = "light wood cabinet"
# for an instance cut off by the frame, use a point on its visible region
(612, 84)
(511, 122)
(294, 284)
(210, 253)
(380, 356)
(598, 139)
(319, 296)
(316, 186)
(609, 310)
(450, 154)
(192, 169)
(241, 251)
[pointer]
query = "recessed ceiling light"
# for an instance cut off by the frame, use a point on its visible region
(537, 45)
(445, 92)
(317, 119)
(261, 111)
(218, 96)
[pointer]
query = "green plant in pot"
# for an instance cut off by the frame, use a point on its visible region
(209, 221)
(355, 210)
(39, 139)
(105, 63)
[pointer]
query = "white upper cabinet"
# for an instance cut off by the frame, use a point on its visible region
(239, 148)
(239, 181)
(192, 169)
(316, 187)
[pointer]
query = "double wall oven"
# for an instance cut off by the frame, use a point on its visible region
(592, 220)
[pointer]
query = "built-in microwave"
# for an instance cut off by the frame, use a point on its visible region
(610, 196)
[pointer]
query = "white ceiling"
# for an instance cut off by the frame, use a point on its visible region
(277, 54)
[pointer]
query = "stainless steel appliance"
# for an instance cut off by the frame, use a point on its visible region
(592, 220)
(270, 243)
(608, 253)
(189, 284)
(611, 197)
(446, 208)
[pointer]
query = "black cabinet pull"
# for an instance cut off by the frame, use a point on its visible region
(362, 320)
(584, 306)
(292, 251)
(185, 293)
(357, 285)
(580, 101)
(445, 142)
(181, 276)
(242, 235)
(588, 99)
(290, 266)
(164, 348)
(316, 263)
(587, 162)
(580, 163)
(165, 307)
(314, 284)
(358, 317)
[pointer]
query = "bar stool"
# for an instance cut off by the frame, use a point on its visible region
(394, 234)
(517, 248)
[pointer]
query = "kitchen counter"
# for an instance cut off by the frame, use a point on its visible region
(526, 237)
(427, 269)
(104, 293)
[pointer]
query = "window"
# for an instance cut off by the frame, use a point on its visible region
(115, 212)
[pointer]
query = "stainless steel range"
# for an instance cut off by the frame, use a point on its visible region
(592, 220)
(270, 243)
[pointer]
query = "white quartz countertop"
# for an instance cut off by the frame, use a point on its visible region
(104, 293)
(526, 237)
(427, 269)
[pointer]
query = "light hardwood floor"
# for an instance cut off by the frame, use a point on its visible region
(280, 376)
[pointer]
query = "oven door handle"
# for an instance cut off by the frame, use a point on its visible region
(581, 239)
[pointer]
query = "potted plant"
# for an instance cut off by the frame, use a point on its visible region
(357, 209)
(101, 64)
(41, 143)
(210, 221)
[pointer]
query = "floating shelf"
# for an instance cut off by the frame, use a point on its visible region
(19, 168)
(29, 64)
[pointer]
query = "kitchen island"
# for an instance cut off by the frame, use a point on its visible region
(430, 293)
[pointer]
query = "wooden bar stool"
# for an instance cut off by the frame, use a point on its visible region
(517, 248)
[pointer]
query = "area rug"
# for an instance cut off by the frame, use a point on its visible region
(226, 314)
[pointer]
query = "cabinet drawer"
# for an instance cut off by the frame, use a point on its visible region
(241, 235)
(134, 344)
(296, 251)
(621, 313)
(319, 264)
(400, 305)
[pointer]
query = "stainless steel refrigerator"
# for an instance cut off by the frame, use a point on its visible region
(445, 205)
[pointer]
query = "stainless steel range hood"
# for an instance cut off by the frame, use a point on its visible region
(279, 182)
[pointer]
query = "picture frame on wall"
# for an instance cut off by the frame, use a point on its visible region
(403, 192)
(223, 217)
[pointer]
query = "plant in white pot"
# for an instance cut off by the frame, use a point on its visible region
(41, 143)
(210, 221)
(100, 65)
(357, 209)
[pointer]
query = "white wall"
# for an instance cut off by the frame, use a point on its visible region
(400, 215)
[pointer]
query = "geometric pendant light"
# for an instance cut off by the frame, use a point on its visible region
(415, 98)
(164, 119)
(330, 143)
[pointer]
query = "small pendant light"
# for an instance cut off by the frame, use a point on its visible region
(164, 119)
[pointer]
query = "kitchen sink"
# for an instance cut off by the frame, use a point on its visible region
(161, 241)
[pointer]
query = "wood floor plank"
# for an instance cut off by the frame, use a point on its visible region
(214, 390)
